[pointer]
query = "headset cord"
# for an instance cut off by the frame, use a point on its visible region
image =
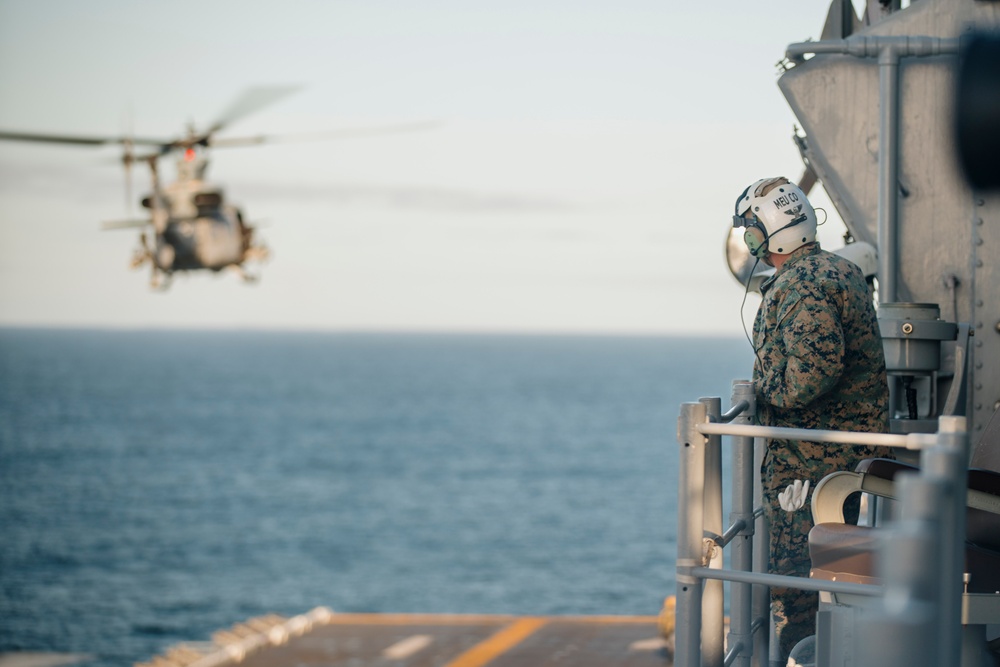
(743, 321)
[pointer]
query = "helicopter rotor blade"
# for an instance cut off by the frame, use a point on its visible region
(249, 101)
(136, 159)
(75, 139)
(230, 142)
(125, 224)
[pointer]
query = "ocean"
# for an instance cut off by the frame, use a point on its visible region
(156, 486)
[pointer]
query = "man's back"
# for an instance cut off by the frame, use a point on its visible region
(820, 359)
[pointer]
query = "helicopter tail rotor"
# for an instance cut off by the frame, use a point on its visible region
(128, 159)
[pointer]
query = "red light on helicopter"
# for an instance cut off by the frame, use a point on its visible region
(189, 154)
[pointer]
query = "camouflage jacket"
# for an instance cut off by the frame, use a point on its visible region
(819, 361)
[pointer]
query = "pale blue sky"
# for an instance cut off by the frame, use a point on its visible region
(581, 180)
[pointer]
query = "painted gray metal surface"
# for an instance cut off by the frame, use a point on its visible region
(941, 238)
(875, 108)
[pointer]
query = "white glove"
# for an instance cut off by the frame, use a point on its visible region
(794, 497)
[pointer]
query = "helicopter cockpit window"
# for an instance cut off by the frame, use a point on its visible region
(207, 199)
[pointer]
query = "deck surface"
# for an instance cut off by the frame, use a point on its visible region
(421, 640)
(470, 641)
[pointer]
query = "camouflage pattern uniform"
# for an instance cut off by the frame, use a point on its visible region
(819, 365)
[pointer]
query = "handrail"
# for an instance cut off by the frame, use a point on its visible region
(926, 539)
(909, 440)
(789, 581)
(737, 649)
(738, 527)
(734, 412)
(699, 534)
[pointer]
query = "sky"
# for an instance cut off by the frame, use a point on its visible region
(579, 176)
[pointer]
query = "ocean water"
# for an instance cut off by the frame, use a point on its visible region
(157, 486)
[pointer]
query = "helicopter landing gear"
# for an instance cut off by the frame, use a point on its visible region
(252, 253)
(244, 275)
(159, 280)
(139, 257)
(257, 253)
(142, 254)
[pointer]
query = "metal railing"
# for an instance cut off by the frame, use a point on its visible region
(916, 612)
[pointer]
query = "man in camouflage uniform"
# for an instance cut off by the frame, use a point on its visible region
(820, 365)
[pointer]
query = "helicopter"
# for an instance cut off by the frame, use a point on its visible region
(190, 224)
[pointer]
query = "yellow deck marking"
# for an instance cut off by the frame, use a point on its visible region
(418, 619)
(485, 651)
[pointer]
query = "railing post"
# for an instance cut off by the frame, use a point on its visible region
(761, 562)
(918, 618)
(946, 463)
(905, 630)
(922, 561)
(741, 557)
(690, 530)
(713, 602)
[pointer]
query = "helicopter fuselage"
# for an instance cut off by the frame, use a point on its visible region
(194, 226)
(211, 241)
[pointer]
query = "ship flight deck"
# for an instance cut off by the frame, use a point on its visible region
(322, 637)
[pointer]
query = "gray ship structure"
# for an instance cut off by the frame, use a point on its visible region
(897, 110)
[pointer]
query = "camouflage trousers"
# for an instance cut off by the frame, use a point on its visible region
(793, 610)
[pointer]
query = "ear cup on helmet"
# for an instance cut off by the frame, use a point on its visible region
(755, 239)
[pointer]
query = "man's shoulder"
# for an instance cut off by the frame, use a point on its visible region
(833, 259)
(816, 282)
(824, 266)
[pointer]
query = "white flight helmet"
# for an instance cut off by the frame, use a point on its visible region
(776, 215)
